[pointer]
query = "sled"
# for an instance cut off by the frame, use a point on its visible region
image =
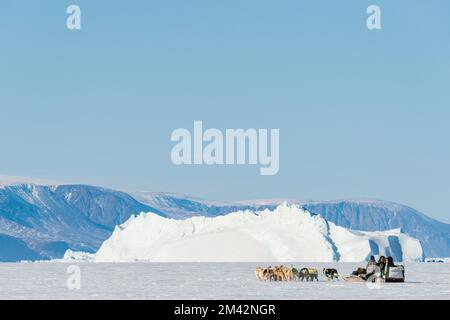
(353, 279)
(394, 274)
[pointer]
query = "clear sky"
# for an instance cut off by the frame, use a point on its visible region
(362, 114)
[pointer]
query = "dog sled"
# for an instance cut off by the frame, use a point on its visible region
(374, 274)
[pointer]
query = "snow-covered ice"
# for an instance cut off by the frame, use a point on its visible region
(47, 280)
(76, 256)
(287, 233)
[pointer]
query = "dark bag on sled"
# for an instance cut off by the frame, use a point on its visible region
(395, 274)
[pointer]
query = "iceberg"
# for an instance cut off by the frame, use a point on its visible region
(286, 234)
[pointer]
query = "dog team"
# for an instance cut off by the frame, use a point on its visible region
(289, 273)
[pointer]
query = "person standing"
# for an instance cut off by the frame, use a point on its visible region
(382, 265)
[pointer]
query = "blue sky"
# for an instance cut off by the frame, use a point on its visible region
(362, 114)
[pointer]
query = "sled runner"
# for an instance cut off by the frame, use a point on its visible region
(353, 279)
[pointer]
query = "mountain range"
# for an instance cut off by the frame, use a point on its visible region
(40, 221)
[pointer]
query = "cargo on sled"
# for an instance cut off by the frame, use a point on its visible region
(382, 271)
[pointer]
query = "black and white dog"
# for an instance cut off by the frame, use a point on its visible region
(331, 274)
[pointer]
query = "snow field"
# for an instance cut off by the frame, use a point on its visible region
(208, 281)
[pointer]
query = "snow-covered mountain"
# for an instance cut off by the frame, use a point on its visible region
(285, 234)
(13, 249)
(47, 220)
(179, 206)
(43, 221)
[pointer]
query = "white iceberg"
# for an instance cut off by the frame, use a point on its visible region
(286, 234)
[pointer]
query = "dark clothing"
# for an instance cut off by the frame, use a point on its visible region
(382, 268)
(390, 262)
